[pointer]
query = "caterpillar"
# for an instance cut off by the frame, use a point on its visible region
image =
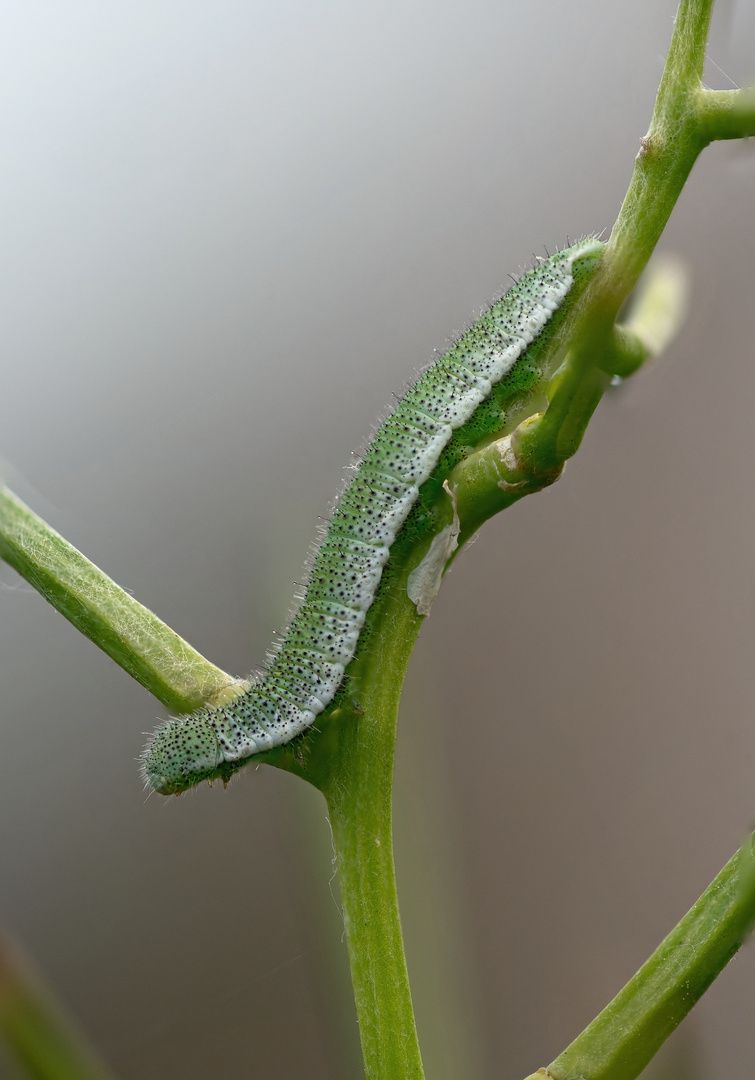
(460, 400)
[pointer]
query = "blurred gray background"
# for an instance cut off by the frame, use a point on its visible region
(230, 232)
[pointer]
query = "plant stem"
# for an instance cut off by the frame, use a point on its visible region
(152, 653)
(666, 156)
(358, 790)
(727, 114)
(667, 153)
(44, 1040)
(350, 756)
(623, 1038)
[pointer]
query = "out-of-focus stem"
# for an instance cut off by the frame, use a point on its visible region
(43, 1039)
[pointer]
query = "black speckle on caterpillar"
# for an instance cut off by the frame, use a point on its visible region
(491, 363)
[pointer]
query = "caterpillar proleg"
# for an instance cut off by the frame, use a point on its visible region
(459, 400)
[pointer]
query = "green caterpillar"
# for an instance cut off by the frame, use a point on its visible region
(461, 389)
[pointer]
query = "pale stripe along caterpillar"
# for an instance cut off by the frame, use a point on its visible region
(460, 400)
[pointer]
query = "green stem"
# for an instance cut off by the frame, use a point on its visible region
(667, 153)
(659, 307)
(726, 114)
(353, 765)
(350, 756)
(44, 1040)
(666, 156)
(152, 653)
(623, 1038)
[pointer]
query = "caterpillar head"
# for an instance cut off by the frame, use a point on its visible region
(181, 754)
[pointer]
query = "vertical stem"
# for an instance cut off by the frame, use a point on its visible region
(358, 790)
(666, 156)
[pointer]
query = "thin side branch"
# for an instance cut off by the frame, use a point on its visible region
(623, 1038)
(726, 114)
(143, 645)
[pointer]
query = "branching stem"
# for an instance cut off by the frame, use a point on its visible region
(350, 756)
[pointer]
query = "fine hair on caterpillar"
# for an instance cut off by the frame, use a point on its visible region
(460, 399)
